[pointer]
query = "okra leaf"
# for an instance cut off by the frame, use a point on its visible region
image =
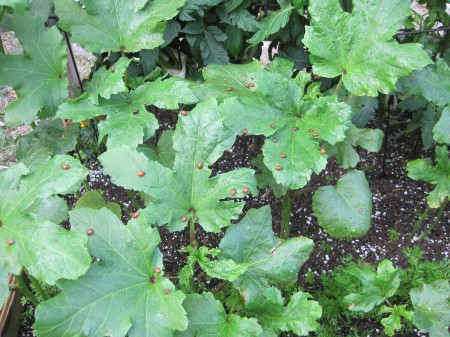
(119, 25)
(106, 82)
(355, 46)
(37, 76)
(393, 323)
(50, 137)
(186, 193)
(265, 178)
(45, 249)
(345, 210)
(163, 152)
(196, 8)
(294, 123)
(432, 82)
(441, 131)
(439, 175)
(94, 200)
(375, 286)
(4, 283)
(125, 293)
(127, 120)
(431, 308)
(207, 318)
(271, 261)
(299, 315)
(273, 23)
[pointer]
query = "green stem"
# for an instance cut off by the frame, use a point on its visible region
(436, 221)
(306, 190)
(86, 185)
(388, 302)
(286, 214)
(89, 146)
(134, 200)
(192, 231)
(338, 87)
(26, 291)
(418, 223)
(38, 287)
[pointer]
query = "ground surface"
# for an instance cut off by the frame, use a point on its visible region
(397, 199)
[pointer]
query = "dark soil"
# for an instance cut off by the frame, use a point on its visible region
(397, 204)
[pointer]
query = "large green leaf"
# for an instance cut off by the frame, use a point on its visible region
(432, 82)
(38, 76)
(4, 285)
(273, 23)
(271, 261)
(117, 25)
(163, 152)
(106, 82)
(48, 251)
(425, 119)
(299, 315)
(207, 318)
(345, 210)
(123, 294)
(186, 191)
(439, 175)
(441, 131)
(375, 286)
(127, 120)
(360, 49)
(50, 137)
(431, 308)
(294, 123)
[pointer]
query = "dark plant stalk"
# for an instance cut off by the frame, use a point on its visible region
(26, 291)
(436, 221)
(38, 287)
(191, 232)
(133, 199)
(418, 223)
(286, 214)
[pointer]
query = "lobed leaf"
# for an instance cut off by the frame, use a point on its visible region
(441, 131)
(375, 286)
(38, 76)
(123, 294)
(45, 249)
(431, 308)
(270, 260)
(118, 25)
(393, 323)
(439, 175)
(207, 318)
(187, 190)
(356, 47)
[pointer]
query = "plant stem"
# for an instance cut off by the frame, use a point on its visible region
(286, 214)
(191, 231)
(419, 222)
(388, 302)
(38, 287)
(436, 221)
(306, 190)
(219, 287)
(338, 87)
(134, 200)
(86, 185)
(26, 291)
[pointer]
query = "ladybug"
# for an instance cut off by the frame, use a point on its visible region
(183, 112)
(141, 173)
(283, 155)
(66, 167)
(229, 89)
(252, 84)
(200, 165)
(273, 126)
(112, 69)
(295, 128)
(247, 85)
(157, 270)
(246, 190)
(244, 132)
(322, 150)
(279, 168)
(135, 215)
(195, 218)
(166, 292)
(310, 130)
(233, 192)
(275, 140)
(315, 134)
(10, 242)
(184, 218)
(90, 231)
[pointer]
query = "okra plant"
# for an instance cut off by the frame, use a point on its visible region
(110, 272)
